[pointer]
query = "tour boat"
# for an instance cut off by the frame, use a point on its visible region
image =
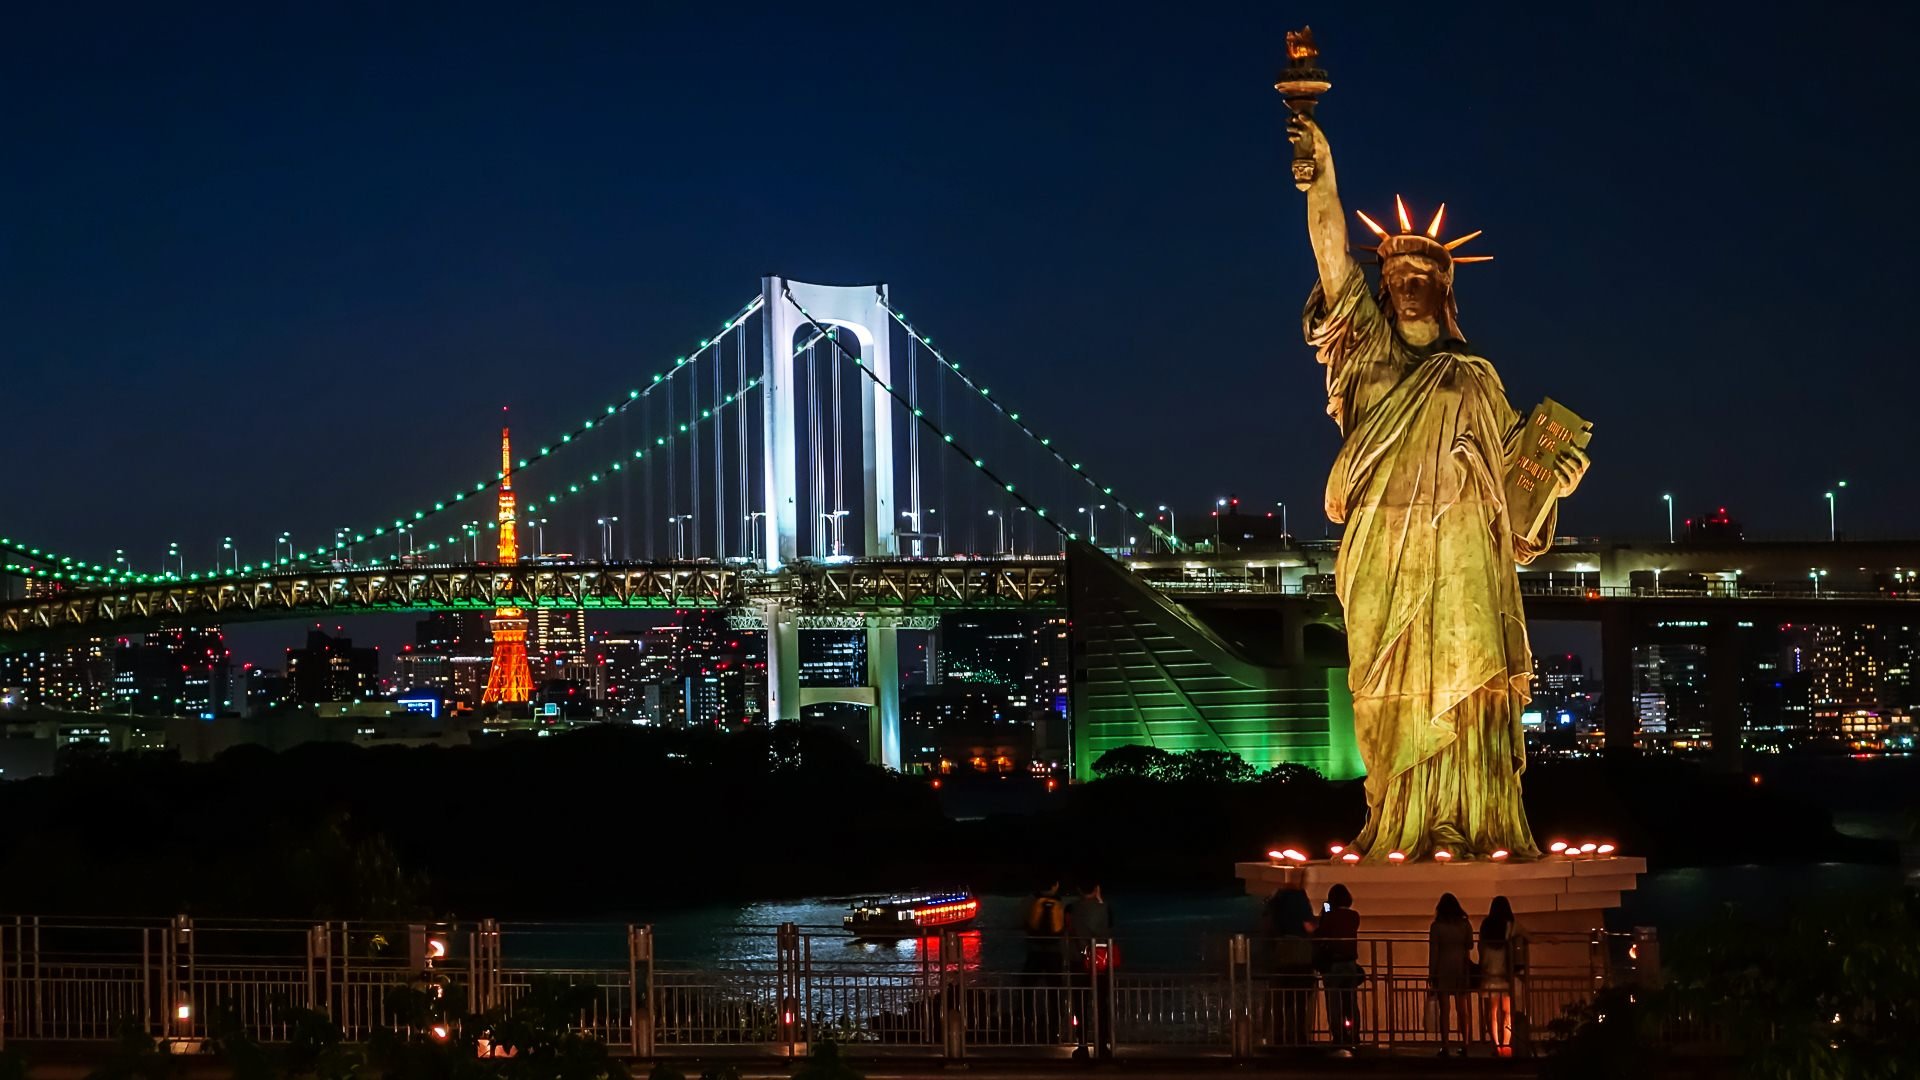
(912, 916)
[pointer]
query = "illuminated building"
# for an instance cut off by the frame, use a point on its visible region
(450, 654)
(331, 669)
(176, 671)
(557, 638)
(510, 679)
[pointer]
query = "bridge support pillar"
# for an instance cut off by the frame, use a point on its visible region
(1723, 692)
(783, 663)
(883, 675)
(1616, 678)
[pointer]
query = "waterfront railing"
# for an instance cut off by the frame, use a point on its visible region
(771, 991)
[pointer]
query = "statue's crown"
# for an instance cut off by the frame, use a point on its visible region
(1421, 244)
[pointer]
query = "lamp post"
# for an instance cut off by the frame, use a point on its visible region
(287, 539)
(919, 533)
(1000, 520)
(120, 560)
(753, 534)
(1173, 528)
(1219, 507)
(1668, 499)
(606, 538)
(539, 537)
(1816, 575)
(679, 523)
(1833, 514)
(345, 536)
(1091, 520)
(834, 520)
(180, 560)
(1284, 533)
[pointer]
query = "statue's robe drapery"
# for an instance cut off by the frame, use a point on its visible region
(1437, 640)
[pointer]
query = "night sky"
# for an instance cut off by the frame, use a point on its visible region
(263, 271)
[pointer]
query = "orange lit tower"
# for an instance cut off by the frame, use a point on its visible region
(510, 679)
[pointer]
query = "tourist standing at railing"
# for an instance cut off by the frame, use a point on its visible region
(1090, 923)
(1336, 954)
(1449, 969)
(1046, 925)
(1288, 928)
(1500, 950)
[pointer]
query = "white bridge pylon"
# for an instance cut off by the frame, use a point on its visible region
(862, 310)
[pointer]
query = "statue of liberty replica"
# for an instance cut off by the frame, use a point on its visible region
(1443, 489)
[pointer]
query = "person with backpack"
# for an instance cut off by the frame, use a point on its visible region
(1046, 967)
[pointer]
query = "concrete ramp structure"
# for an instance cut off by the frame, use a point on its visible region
(1264, 680)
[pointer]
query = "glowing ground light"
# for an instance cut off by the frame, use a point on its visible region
(1350, 857)
(1557, 846)
(1396, 857)
(1276, 854)
(1604, 849)
(1499, 855)
(1589, 848)
(1443, 856)
(1335, 849)
(441, 1032)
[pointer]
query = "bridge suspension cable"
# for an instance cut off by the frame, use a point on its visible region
(915, 337)
(945, 436)
(75, 569)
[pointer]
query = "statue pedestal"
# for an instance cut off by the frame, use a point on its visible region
(1558, 899)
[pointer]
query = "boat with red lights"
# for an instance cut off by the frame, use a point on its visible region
(912, 916)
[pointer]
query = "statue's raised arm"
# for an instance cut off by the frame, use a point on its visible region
(1326, 220)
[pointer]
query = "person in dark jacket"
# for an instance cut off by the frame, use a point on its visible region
(1450, 968)
(1288, 928)
(1090, 925)
(1336, 955)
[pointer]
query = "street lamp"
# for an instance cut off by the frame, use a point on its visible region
(344, 537)
(1173, 528)
(919, 533)
(1283, 521)
(173, 552)
(834, 520)
(287, 539)
(539, 537)
(473, 534)
(1816, 575)
(1088, 510)
(679, 522)
(606, 538)
(753, 534)
(1219, 508)
(1833, 519)
(1668, 499)
(120, 560)
(1000, 520)
(226, 545)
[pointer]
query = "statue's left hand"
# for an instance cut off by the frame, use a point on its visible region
(1571, 468)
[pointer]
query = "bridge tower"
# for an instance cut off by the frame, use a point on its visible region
(862, 310)
(510, 679)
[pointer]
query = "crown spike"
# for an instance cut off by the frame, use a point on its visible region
(1406, 223)
(1473, 258)
(1433, 230)
(1451, 244)
(1371, 224)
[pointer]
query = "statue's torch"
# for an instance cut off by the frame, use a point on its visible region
(1301, 83)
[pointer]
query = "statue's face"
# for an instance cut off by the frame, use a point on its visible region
(1416, 289)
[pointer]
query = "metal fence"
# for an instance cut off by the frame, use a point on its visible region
(76, 980)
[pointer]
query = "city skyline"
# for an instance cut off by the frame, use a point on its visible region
(608, 250)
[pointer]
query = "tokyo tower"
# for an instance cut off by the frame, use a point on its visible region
(510, 679)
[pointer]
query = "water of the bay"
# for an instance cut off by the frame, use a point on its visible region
(1177, 930)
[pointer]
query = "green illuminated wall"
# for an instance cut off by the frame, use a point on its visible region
(1152, 671)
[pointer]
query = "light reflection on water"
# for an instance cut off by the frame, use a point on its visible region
(1168, 931)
